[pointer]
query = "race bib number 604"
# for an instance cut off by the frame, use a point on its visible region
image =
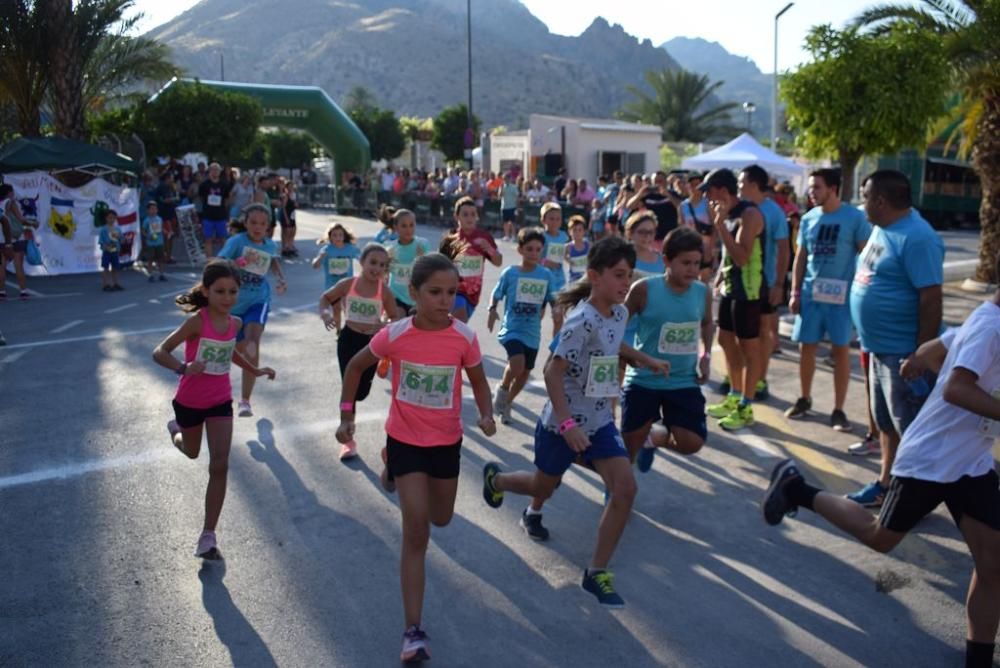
(531, 290)
(427, 386)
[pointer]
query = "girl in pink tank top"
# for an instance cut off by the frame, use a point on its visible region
(204, 398)
(365, 300)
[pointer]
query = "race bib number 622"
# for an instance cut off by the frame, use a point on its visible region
(679, 338)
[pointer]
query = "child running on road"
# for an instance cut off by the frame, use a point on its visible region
(524, 290)
(553, 254)
(365, 301)
(424, 430)
(402, 254)
(469, 247)
(204, 398)
(386, 215)
(581, 378)
(672, 313)
(256, 256)
(576, 252)
(336, 256)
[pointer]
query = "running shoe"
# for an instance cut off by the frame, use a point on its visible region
(3, 341)
(388, 484)
(868, 446)
(115, 287)
(721, 410)
(173, 428)
(775, 504)
(532, 525)
(839, 421)
(501, 405)
(869, 496)
(24, 295)
(208, 548)
(801, 409)
(3, 295)
(738, 419)
(493, 497)
(348, 450)
(762, 392)
(644, 460)
(725, 386)
(108, 288)
(601, 585)
(244, 409)
(414, 646)
(382, 370)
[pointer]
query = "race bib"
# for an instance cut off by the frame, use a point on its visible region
(401, 273)
(555, 252)
(215, 200)
(602, 377)
(363, 310)
(469, 265)
(829, 291)
(215, 355)
(679, 338)
(988, 427)
(578, 264)
(426, 386)
(531, 290)
(255, 261)
(337, 266)
(155, 229)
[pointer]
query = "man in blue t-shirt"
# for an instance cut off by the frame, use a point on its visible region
(896, 306)
(830, 237)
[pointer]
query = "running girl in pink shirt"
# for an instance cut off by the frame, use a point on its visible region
(424, 431)
(205, 396)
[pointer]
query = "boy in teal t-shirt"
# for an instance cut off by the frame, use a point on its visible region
(153, 247)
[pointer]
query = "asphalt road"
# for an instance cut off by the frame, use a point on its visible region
(99, 515)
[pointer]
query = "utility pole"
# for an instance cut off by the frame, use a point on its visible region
(774, 82)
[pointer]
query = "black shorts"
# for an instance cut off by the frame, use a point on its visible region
(515, 347)
(909, 500)
(684, 408)
(766, 308)
(508, 215)
(437, 461)
(742, 318)
(187, 417)
(349, 344)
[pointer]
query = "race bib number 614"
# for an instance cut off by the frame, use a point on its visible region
(427, 386)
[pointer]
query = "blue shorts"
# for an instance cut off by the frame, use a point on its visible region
(508, 215)
(256, 313)
(893, 403)
(515, 347)
(683, 408)
(553, 457)
(110, 261)
(461, 301)
(814, 320)
(215, 229)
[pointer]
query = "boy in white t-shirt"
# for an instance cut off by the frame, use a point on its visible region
(945, 456)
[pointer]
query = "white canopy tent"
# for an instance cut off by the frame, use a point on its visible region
(743, 152)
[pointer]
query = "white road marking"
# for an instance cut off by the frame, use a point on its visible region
(172, 293)
(31, 292)
(122, 308)
(68, 325)
(14, 357)
(283, 435)
(154, 301)
(759, 446)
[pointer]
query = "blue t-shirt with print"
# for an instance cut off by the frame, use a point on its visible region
(776, 229)
(250, 258)
(830, 241)
(110, 239)
(385, 235)
(337, 263)
(896, 263)
(152, 231)
(401, 259)
(524, 295)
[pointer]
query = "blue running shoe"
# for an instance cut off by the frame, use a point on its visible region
(644, 460)
(869, 496)
(601, 585)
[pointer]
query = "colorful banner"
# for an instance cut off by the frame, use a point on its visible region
(69, 220)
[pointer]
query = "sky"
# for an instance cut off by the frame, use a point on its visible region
(743, 27)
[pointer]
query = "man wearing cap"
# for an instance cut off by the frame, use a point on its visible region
(740, 226)
(214, 195)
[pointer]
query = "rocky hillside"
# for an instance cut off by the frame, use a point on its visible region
(412, 55)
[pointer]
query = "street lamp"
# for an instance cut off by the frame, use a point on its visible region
(469, 132)
(774, 82)
(749, 108)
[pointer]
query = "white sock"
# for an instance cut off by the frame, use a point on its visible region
(532, 511)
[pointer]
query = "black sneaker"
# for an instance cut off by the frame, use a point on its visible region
(532, 525)
(776, 504)
(725, 386)
(601, 585)
(801, 409)
(493, 498)
(839, 421)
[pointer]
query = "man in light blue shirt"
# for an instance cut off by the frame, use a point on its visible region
(896, 306)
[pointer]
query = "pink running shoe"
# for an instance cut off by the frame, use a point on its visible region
(414, 646)
(208, 548)
(348, 450)
(244, 409)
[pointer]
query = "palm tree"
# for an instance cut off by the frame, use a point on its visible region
(23, 62)
(678, 105)
(968, 29)
(118, 64)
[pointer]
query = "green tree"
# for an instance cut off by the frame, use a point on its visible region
(225, 129)
(864, 94)
(680, 103)
(23, 62)
(359, 98)
(449, 131)
(967, 30)
(380, 126)
(120, 63)
(287, 149)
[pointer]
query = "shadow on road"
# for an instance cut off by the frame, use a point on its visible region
(246, 648)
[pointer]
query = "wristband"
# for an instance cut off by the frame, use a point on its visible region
(347, 406)
(706, 355)
(796, 293)
(182, 369)
(566, 425)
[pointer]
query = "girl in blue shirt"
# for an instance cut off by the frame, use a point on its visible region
(576, 252)
(553, 254)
